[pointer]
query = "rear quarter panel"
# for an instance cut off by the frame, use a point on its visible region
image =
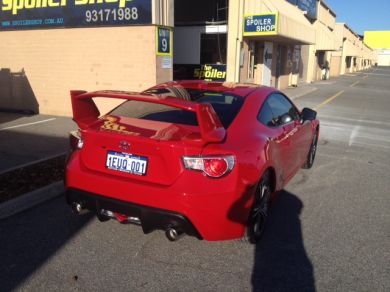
(247, 139)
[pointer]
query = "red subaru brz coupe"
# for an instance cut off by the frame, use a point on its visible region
(188, 157)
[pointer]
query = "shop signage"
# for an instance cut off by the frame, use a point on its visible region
(309, 6)
(164, 41)
(262, 24)
(32, 14)
(208, 72)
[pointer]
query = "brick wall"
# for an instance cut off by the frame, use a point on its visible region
(57, 60)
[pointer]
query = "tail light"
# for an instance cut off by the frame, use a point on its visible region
(75, 140)
(212, 166)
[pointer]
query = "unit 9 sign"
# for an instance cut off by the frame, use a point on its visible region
(164, 41)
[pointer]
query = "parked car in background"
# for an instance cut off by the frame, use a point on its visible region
(188, 157)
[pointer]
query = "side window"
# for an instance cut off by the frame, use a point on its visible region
(266, 116)
(280, 106)
(275, 106)
(292, 111)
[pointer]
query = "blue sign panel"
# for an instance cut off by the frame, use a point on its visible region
(294, 2)
(264, 24)
(310, 6)
(164, 41)
(31, 14)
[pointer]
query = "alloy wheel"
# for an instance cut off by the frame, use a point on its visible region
(260, 208)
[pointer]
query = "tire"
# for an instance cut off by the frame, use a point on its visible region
(312, 153)
(259, 212)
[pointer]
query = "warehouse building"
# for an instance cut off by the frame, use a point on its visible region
(47, 51)
(264, 41)
(353, 54)
(51, 47)
(380, 42)
(318, 55)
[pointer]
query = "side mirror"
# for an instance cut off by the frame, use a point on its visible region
(285, 119)
(308, 114)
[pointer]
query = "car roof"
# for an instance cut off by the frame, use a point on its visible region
(239, 89)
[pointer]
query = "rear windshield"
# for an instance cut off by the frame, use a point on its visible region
(225, 105)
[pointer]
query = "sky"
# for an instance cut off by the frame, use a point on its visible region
(362, 15)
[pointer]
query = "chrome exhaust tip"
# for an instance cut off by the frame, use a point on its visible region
(104, 215)
(172, 234)
(78, 208)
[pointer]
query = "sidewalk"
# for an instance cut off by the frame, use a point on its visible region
(301, 90)
(29, 174)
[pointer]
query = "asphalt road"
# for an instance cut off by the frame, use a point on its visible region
(328, 231)
(27, 139)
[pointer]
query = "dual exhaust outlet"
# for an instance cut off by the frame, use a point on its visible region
(78, 208)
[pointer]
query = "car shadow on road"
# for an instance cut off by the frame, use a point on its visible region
(281, 262)
(30, 239)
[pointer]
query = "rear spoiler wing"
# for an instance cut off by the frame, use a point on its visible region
(85, 111)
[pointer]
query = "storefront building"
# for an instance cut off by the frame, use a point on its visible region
(50, 47)
(200, 39)
(383, 57)
(355, 55)
(46, 50)
(264, 41)
(318, 56)
(284, 42)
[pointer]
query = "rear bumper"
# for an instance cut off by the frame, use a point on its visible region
(151, 218)
(211, 209)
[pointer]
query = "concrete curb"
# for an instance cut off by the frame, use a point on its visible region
(33, 162)
(31, 199)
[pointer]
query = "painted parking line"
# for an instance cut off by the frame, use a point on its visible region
(328, 100)
(376, 74)
(352, 85)
(27, 124)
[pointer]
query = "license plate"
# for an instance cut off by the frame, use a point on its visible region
(126, 163)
